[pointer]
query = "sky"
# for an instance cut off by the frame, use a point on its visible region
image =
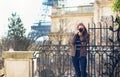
(28, 10)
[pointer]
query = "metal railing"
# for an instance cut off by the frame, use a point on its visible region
(54, 60)
(1, 65)
(103, 59)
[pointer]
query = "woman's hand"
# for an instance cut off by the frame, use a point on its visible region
(76, 31)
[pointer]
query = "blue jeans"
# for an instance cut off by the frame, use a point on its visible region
(79, 64)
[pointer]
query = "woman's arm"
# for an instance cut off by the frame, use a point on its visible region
(72, 39)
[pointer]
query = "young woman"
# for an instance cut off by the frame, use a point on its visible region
(79, 50)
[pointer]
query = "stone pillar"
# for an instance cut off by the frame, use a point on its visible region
(18, 64)
(96, 12)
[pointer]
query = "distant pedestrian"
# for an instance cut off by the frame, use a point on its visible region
(79, 50)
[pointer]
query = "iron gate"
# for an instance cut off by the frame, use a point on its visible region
(103, 58)
(104, 49)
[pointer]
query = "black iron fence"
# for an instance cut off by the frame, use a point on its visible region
(104, 49)
(103, 58)
(54, 60)
(1, 65)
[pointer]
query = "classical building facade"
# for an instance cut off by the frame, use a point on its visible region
(102, 9)
(65, 19)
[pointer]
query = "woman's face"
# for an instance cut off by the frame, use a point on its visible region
(81, 28)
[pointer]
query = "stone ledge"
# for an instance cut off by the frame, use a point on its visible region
(18, 54)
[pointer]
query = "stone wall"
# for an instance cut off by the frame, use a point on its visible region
(68, 24)
(18, 64)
